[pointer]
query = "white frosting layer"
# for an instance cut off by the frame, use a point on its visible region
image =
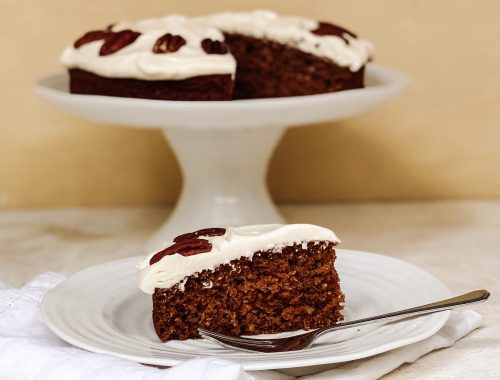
(237, 242)
(137, 60)
(295, 32)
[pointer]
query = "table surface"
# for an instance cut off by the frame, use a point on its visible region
(457, 242)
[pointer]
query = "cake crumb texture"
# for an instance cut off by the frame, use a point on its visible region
(267, 69)
(275, 291)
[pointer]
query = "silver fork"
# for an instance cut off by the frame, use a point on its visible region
(303, 341)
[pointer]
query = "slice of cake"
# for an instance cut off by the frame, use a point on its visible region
(231, 55)
(244, 281)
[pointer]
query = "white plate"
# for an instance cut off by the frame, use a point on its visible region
(100, 309)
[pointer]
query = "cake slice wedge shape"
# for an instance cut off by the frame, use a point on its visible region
(249, 280)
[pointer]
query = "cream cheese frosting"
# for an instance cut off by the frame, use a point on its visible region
(295, 32)
(137, 60)
(237, 242)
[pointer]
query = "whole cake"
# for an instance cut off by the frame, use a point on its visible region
(231, 55)
(244, 281)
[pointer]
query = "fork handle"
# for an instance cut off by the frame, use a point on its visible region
(447, 304)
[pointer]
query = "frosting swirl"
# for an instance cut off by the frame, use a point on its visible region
(138, 60)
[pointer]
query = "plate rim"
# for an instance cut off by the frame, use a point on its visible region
(253, 365)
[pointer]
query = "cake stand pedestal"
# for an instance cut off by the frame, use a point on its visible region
(223, 147)
(224, 179)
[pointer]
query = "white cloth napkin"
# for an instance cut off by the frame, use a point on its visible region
(28, 350)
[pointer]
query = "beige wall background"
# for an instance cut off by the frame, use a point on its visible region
(440, 139)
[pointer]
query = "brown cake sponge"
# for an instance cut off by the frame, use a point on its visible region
(205, 87)
(267, 69)
(290, 289)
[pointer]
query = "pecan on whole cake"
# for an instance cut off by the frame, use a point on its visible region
(223, 56)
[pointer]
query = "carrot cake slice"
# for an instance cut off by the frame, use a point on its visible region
(243, 281)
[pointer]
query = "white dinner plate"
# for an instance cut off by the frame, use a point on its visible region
(101, 310)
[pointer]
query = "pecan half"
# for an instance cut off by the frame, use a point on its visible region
(184, 248)
(214, 46)
(94, 35)
(203, 232)
(168, 43)
(327, 29)
(118, 40)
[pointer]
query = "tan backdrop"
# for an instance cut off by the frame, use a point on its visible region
(441, 139)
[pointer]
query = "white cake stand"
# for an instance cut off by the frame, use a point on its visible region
(223, 146)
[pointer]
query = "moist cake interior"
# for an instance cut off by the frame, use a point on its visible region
(297, 288)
